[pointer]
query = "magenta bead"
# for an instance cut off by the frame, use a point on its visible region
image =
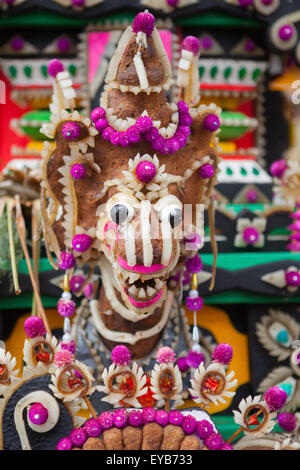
(145, 171)
(120, 418)
(81, 242)
(135, 418)
(292, 278)
(162, 418)
(214, 441)
(54, 67)
(206, 171)
(64, 444)
(204, 429)
(76, 283)
(120, 355)
(143, 22)
(286, 32)
(189, 424)
(182, 364)
(194, 359)
(223, 353)
(251, 195)
(34, 326)
(78, 437)
(66, 260)
(71, 130)
(194, 264)
(38, 414)
(207, 43)
(287, 421)
(278, 168)
(148, 415)
(78, 171)
(250, 235)
(17, 43)
(66, 308)
(98, 113)
(275, 398)
(211, 123)
(101, 124)
(191, 43)
(92, 427)
(63, 44)
(194, 303)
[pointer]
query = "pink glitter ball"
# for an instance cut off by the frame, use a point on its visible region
(133, 135)
(120, 418)
(162, 418)
(292, 278)
(76, 283)
(66, 260)
(71, 346)
(88, 290)
(55, 66)
(101, 124)
(278, 168)
(152, 135)
(121, 355)
(78, 171)
(92, 427)
(64, 444)
(144, 124)
(34, 326)
(189, 424)
(286, 32)
(66, 308)
(81, 242)
(275, 398)
(223, 353)
(182, 364)
(175, 417)
(148, 415)
(106, 420)
(135, 418)
(98, 113)
(191, 43)
(194, 359)
(250, 235)
(287, 421)
(63, 358)
(206, 171)
(204, 429)
(71, 130)
(211, 123)
(38, 414)
(214, 441)
(143, 22)
(165, 355)
(194, 264)
(145, 171)
(78, 437)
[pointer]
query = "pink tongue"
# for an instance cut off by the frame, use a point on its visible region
(139, 268)
(146, 303)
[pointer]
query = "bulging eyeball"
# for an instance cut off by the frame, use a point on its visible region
(173, 215)
(121, 212)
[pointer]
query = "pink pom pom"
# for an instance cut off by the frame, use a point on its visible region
(191, 43)
(226, 446)
(120, 418)
(165, 355)
(78, 437)
(71, 346)
(34, 326)
(81, 242)
(78, 171)
(162, 418)
(92, 427)
(204, 429)
(135, 418)
(54, 67)
(223, 353)
(275, 398)
(144, 124)
(148, 415)
(98, 113)
(287, 421)
(106, 420)
(214, 441)
(63, 358)
(64, 444)
(194, 265)
(194, 359)
(66, 260)
(120, 355)
(189, 424)
(66, 308)
(176, 417)
(76, 283)
(182, 364)
(38, 414)
(143, 22)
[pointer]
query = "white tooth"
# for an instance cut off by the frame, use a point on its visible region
(132, 290)
(133, 277)
(142, 293)
(158, 284)
(150, 291)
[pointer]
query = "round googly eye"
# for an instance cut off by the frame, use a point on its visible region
(119, 213)
(172, 214)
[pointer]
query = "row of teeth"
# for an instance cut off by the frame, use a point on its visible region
(149, 292)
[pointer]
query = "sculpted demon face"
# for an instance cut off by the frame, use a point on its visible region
(121, 190)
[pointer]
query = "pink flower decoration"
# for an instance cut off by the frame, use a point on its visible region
(34, 326)
(275, 398)
(194, 359)
(143, 22)
(223, 353)
(66, 260)
(165, 355)
(191, 43)
(66, 308)
(63, 358)
(120, 355)
(54, 67)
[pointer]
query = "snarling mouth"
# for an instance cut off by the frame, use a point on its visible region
(144, 294)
